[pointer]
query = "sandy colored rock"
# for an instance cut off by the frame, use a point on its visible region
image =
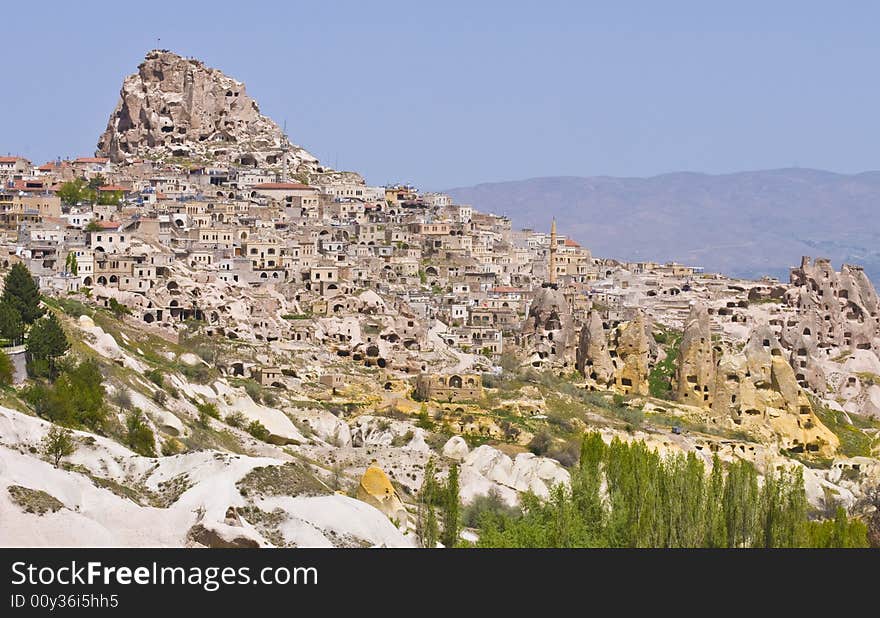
(375, 489)
(632, 356)
(178, 107)
(695, 373)
(593, 359)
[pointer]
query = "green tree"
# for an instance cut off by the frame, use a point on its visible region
(11, 326)
(258, 430)
(741, 504)
(118, 309)
(45, 344)
(109, 198)
(71, 264)
(451, 508)
(20, 291)
(427, 529)
(74, 191)
(57, 444)
(82, 387)
(586, 483)
(97, 182)
(139, 437)
(716, 528)
(93, 226)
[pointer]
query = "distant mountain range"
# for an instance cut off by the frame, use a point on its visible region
(746, 224)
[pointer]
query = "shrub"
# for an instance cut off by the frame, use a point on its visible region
(236, 419)
(541, 443)
(139, 436)
(208, 409)
(76, 397)
(156, 377)
(121, 398)
(7, 371)
(258, 430)
(160, 397)
(254, 391)
(490, 504)
(118, 309)
(58, 443)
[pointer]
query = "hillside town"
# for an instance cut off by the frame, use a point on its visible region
(197, 220)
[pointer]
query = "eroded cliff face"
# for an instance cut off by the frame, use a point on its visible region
(756, 389)
(178, 107)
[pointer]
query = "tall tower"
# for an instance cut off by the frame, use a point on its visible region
(552, 264)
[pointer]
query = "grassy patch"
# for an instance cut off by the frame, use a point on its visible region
(662, 374)
(289, 479)
(853, 441)
(34, 500)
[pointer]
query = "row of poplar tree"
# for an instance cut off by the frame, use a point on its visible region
(624, 494)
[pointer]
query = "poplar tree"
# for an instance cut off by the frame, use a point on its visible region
(451, 508)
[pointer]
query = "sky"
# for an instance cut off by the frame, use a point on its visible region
(447, 94)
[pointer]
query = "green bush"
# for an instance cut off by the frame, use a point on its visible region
(236, 419)
(489, 505)
(258, 430)
(156, 377)
(139, 436)
(76, 398)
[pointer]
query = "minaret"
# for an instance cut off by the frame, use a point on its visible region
(552, 264)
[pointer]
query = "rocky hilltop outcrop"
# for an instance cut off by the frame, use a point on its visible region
(178, 107)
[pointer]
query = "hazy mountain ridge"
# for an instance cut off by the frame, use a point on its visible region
(743, 224)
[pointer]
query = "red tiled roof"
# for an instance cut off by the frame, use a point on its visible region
(284, 186)
(9, 159)
(112, 188)
(504, 289)
(22, 185)
(108, 225)
(570, 243)
(92, 160)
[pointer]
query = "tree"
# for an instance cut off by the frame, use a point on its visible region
(109, 198)
(741, 504)
(11, 326)
(97, 181)
(20, 291)
(716, 530)
(870, 505)
(93, 226)
(58, 443)
(46, 343)
(427, 530)
(139, 437)
(82, 386)
(71, 264)
(451, 508)
(7, 370)
(75, 191)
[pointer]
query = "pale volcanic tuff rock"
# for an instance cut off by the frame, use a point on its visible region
(757, 389)
(550, 327)
(834, 309)
(633, 349)
(593, 358)
(695, 377)
(178, 107)
(625, 370)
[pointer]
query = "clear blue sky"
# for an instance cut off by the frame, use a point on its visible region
(458, 93)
